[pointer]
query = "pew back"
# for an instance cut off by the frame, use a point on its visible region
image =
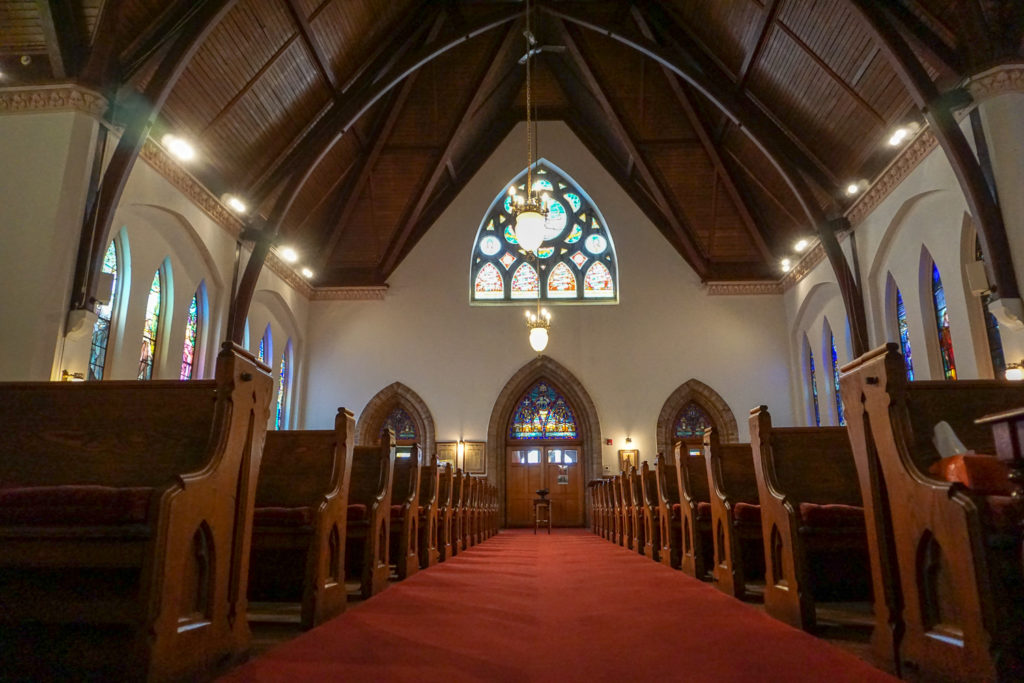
(298, 467)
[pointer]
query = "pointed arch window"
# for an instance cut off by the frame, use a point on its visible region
(281, 413)
(575, 263)
(690, 425)
(903, 329)
(401, 423)
(193, 330)
(543, 413)
(813, 385)
(995, 342)
(265, 351)
(942, 322)
(151, 330)
(104, 312)
(840, 412)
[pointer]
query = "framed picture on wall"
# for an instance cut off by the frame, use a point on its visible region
(447, 451)
(628, 458)
(474, 458)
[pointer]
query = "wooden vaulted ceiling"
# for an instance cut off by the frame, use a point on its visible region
(282, 95)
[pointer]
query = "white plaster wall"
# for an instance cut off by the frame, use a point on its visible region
(629, 357)
(43, 184)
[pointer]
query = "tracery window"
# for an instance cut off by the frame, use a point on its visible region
(904, 331)
(575, 263)
(543, 414)
(813, 386)
(154, 308)
(401, 423)
(282, 387)
(692, 422)
(995, 342)
(193, 327)
(101, 329)
(942, 321)
(840, 412)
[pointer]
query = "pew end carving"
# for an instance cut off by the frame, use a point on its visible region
(405, 521)
(429, 514)
(696, 556)
(669, 513)
(369, 515)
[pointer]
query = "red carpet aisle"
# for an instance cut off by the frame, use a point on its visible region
(566, 607)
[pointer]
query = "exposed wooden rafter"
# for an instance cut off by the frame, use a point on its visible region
(155, 36)
(323, 65)
(63, 36)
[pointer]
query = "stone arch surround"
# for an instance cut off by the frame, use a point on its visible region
(587, 421)
(708, 399)
(383, 402)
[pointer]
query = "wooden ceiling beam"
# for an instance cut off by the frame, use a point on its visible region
(944, 58)
(674, 216)
(938, 113)
(323, 65)
(704, 135)
(155, 36)
(463, 129)
(100, 66)
(768, 15)
(63, 35)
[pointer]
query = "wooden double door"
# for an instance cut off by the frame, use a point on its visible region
(553, 467)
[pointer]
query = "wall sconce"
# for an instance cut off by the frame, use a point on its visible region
(66, 376)
(1015, 371)
(460, 455)
(629, 442)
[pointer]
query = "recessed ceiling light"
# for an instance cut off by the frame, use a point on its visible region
(178, 147)
(235, 204)
(852, 189)
(786, 265)
(801, 245)
(289, 254)
(307, 273)
(898, 136)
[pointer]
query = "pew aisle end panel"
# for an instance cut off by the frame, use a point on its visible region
(127, 506)
(369, 515)
(946, 560)
(429, 518)
(669, 512)
(697, 550)
(405, 520)
(446, 485)
(812, 521)
(735, 515)
(458, 494)
(301, 519)
(647, 481)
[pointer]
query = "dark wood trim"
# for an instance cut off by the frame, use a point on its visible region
(323, 65)
(768, 15)
(62, 33)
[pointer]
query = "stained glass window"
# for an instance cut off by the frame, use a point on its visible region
(154, 306)
(101, 330)
(401, 423)
(543, 414)
(282, 387)
(692, 422)
(995, 341)
(814, 386)
(904, 332)
(266, 351)
(497, 273)
(192, 326)
(942, 320)
(835, 380)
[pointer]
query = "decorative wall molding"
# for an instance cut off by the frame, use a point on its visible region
(894, 174)
(1005, 78)
(52, 98)
(744, 288)
(197, 193)
(375, 293)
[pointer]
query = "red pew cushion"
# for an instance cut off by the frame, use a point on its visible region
(704, 510)
(982, 474)
(78, 505)
(357, 512)
(282, 516)
(746, 513)
(677, 511)
(831, 515)
(396, 511)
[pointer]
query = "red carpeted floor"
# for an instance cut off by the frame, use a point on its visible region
(565, 607)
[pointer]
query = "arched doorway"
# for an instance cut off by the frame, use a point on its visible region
(588, 427)
(692, 407)
(400, 408)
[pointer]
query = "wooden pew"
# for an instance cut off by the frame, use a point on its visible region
(605, 510)
(468, 511)
(636, 510)
(429, 514)
(492, 510)
(446, 478)
(648, 483)
(735, 515)
(403, 548)
(697, 552)
(946, 561)
(301, 519)
(669, 512)
(458, 511)
(812, 521)
(625, 510)
(125, 522)
(618, 517)
(369, 515)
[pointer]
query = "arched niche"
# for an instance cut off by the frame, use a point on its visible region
(587, 422)
(708, 399)
(380, 406)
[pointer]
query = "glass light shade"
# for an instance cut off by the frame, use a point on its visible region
(1014, 373)
(538, 338)
(529, 230)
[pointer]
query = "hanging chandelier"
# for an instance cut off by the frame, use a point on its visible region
(538, 324)
(530, 211)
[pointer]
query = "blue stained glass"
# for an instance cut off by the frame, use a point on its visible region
(101, 330)
(574, 235)
(995, 341)
(942, 320)
(574, 200)
(191, 338)
(282, 391)
(814, 388)
(692, 422)
(543, 414)
(401, 423)
(154, 304)
(835, 381)
(542, 185)
(904, 331)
